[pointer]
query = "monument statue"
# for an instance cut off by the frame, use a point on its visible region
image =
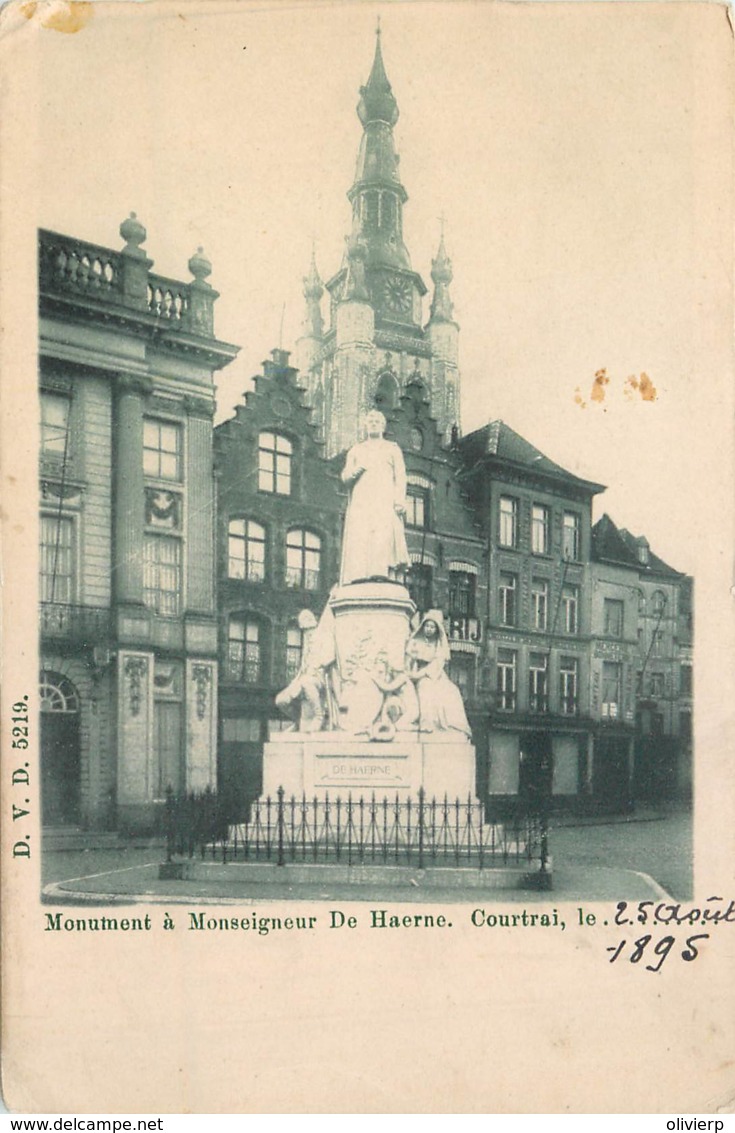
(363, 673)
(374, 541)
(379, 704)
(311, 699)
(440, 701)
(374, 706)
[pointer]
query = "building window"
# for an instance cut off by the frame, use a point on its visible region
(613, 614)
(657, 644)
(56, 693)
(658, 603)
(416, 439)
(242, 729)
(161, 450)
(162, 574)
(540, 529)
(303, 559)
(294, 650)
(568, 682)
(611, 685)
(387, 210)
(685, 680)
(275, 454)
(538, 697)
(246, 550)
(417, 507)
(570, 608)
(54, 424)
(57, 559)
(657, 684)
(570, 541)
(539, 603)
(244, 651)
(419, 584)
(461, 594)
(508, 521)
(685, 727)
(371, 206)
(507, 595)
(387, 391)
(506, 679)
(462, 672)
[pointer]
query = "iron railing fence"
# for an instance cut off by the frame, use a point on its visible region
(420, 832)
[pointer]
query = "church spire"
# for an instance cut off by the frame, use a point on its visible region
(377, 103)
(377, 195)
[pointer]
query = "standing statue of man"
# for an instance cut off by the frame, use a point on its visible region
(374, 541)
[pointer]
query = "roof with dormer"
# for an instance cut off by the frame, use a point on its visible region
(613, 544)
(498, 442)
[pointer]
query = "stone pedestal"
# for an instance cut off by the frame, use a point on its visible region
(372, 624)
(339, 765)
(375, 747)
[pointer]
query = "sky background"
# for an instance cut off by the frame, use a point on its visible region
(577, 153)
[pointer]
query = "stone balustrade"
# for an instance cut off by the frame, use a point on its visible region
(72, 267)
(168, 299)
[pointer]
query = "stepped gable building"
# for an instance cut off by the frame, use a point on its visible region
(376, 337)
(445, 543)
(643, 610)
(127, 618)
(279, 526)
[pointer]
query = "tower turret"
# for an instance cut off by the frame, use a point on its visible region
(441, 274)
(443, 334)
(313, 291)
(309, 344)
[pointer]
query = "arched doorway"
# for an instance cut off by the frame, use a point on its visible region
(60, 753)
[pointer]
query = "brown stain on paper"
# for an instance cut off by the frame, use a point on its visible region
(598, 386)
(68, 16)
(633, 385)
(643, 385)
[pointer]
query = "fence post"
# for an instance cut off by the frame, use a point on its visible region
(279, 820)
(421, 827)
(544, 840)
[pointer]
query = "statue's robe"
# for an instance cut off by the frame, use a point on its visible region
(374, 541)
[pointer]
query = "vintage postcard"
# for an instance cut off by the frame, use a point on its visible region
(367, 557)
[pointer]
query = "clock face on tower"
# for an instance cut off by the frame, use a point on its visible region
(397, 295)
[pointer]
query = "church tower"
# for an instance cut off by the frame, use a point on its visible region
(376, 341)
